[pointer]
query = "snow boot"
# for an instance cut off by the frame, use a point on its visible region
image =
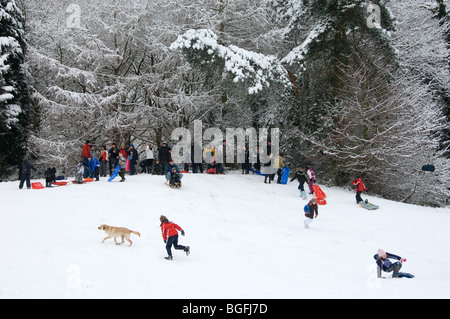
(187, 250)
(168, 258)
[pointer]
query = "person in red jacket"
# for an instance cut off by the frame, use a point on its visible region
(169, 231)
(86, 153)
(359, 186)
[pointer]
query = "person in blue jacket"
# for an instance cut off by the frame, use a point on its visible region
(384, 264)
(94, 168)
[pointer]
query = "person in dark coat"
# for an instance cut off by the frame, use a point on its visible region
(133, 157)
(302, 179)
(113, 155)
(246, 157)
(25, 173)
(164, 155)
(50, 176)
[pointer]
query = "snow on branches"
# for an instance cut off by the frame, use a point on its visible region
(243, 65)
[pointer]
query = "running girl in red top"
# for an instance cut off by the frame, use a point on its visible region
(169, 231)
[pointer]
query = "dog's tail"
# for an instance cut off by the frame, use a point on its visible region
(136, 232)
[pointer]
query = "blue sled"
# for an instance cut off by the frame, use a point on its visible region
(256, 172)
(284, 175)
(114, 173)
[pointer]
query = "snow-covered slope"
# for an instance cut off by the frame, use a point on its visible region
(247, 241)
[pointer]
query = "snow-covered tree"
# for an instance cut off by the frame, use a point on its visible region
(330, 32)
(233, 45)
(385, 129)
(109, 78)
(13, 88)
(256, 70)
(360, 111)
(422, 41)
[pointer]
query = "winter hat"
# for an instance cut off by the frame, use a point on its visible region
(162, 218)
(381, 252)
(88, 141)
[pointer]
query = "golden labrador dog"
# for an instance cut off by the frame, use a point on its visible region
(118, 232)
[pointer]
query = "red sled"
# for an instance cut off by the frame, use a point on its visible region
(184, 172)
(320, 195)
(86, 180)
(37, 185)
(60, 183)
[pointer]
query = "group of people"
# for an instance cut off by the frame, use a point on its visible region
(95, 165)
(99, 163)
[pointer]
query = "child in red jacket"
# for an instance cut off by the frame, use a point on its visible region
(169, 231)
(359, 186)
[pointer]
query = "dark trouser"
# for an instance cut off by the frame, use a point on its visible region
(25, 177)
(163, 163)
(149, 165)
(132, 168)
(122, 173)
(103, 168)
(395, 267)
(220, 169)
(48, 182)
(358, 197)
(96, 173)
(86, 165)
(196, 167)
(270, 177)
(173, 241)
(279, 174)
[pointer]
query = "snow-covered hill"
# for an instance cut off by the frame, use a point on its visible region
(247, 241)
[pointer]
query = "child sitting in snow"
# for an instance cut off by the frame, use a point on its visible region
(384, 264)
(175, 178)
(212, 167)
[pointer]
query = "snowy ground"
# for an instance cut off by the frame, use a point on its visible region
(247, 241)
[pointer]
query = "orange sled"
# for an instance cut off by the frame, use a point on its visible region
(60, 183)
(320, 195)
(37, 185)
